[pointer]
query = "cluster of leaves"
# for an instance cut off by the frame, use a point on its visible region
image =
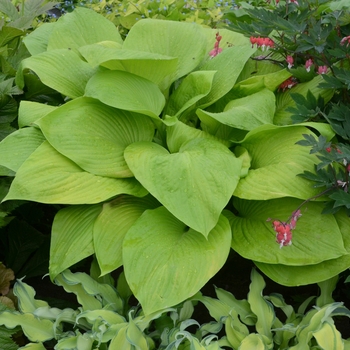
(106, 320)
(311, 37)
(154, 137)
(24, 247)
(125, 14)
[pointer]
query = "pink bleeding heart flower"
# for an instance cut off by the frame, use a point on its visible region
(290, 61)
(308, 64)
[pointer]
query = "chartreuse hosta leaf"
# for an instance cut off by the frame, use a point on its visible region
(80, 28)
(18, 146)
(269, 80)
(248, 112)
(94, 135)
(127, 91)
(307, 274)
(193, 87)
(185, 41)
(165, 262)
(29, 112)
(62, 70)
(112, 225)
(316, 237)
(179, 133)
(36, 42)
(228, 65)
(48, 177)
(71, 239)
(194, 184)
(276, 160)
(152, 66)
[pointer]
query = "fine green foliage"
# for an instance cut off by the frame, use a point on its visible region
(167, 153)
(105, 320)
(124, 13)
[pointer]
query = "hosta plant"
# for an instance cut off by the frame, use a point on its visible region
(166, 153)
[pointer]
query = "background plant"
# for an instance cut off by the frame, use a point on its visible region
(124, 14)
(311, 38)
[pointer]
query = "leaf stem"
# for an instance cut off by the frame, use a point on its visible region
(312, 198)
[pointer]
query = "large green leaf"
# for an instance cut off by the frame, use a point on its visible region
(308, 274)
(29, 112)
(62, 70)
(316, 237)
(127, 91)
(276, 162)
(152, 66)
(165, 262)
(71, 238)
(94, 135)
(192, 88)
(18, 146)
(269, 80)
(112, 225)
(36, 42)
(186, 41)
(82, 27)
(248, 112)
(179, 133)
(49, 177)
(194, 184)
(228, 64)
